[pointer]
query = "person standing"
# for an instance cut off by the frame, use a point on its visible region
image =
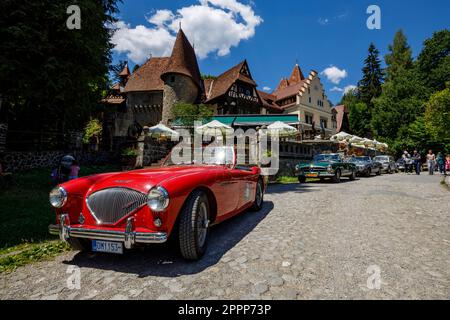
(74, 170)
(407, 161)
(431, 160)
(447, 164)
(441, 163)
(417, 161)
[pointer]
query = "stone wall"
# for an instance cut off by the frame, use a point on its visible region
(17, 161)
(178, 88)
(3, 132)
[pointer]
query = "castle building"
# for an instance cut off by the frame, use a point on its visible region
(306, 98)
(147, 96)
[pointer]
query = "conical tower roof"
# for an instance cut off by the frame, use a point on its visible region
(125, 71)
(296, 76)
(183, 60)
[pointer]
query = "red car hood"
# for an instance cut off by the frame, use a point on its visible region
(144, 180)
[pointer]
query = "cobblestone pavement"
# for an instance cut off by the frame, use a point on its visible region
(315, 241)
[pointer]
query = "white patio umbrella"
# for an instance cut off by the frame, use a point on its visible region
(368, 143)
(281, 128)
(341, 136)
(356, 140)
(214, 129)
(162, 130)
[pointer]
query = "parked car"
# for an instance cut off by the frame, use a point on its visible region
(365, 166)
(116, 211)
(400, 164)
(387, 162)
(326, 166)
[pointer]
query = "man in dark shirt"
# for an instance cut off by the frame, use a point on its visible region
(417, 158)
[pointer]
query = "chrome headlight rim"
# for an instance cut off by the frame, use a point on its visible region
(160, 201)
(62, 195)
(330, 168)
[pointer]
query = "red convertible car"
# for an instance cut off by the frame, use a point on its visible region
(110, 212)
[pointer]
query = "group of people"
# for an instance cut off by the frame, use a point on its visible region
(414, 162)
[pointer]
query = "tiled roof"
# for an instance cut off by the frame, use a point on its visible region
(268, 101)
(267, 96)
(220, 86)
(183, 60)
(296, 76)
(148, 76)
(125, 72)
(288, 91)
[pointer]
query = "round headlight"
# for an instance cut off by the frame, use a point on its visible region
(330, 168)
(58, 197)
(158, 199)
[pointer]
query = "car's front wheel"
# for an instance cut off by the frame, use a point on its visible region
(259, 197)
(194, 226)
(337, 176)
(353, 176)
(301, 179)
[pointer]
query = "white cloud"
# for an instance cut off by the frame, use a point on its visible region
(214, 26)
(161, 17)
(334, 74)
(337, 89)
(348, 88)
(267, 89)
(344, 90)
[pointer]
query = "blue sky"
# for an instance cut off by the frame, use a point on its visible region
(272, 35)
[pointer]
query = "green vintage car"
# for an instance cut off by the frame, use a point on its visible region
(326, 166)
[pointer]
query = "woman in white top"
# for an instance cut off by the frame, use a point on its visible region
(431, 160)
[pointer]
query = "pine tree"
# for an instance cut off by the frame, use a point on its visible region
(400, 56)
(369, 87)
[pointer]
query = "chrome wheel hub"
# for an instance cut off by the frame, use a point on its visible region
(202, 224)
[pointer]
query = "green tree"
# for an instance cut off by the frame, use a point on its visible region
(52, 77)
(93, 129)
(369, 87)
(358, 115)
(403, 95)
(399, 57)
(186, 114)
(433, 62)
(398, 106)
(437, 116)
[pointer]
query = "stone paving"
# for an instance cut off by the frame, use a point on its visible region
(314, 241)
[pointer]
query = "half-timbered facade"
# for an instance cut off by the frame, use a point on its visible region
(234, 92)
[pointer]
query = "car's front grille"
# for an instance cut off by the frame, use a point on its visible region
(309, 170)
(108, 206)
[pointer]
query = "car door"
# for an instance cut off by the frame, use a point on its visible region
(226, 189)
(247, 185)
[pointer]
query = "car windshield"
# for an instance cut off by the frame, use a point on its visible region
(327, 158)
(381, 159)
(360, 159)
(200, 156)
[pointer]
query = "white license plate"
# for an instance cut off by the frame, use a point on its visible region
(107, 246)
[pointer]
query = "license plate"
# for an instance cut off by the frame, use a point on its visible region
(108, 247)
(312, 175)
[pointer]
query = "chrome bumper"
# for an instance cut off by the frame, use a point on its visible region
(128, 237)
(320, 174)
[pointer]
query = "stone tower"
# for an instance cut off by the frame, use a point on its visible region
(182, 80)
